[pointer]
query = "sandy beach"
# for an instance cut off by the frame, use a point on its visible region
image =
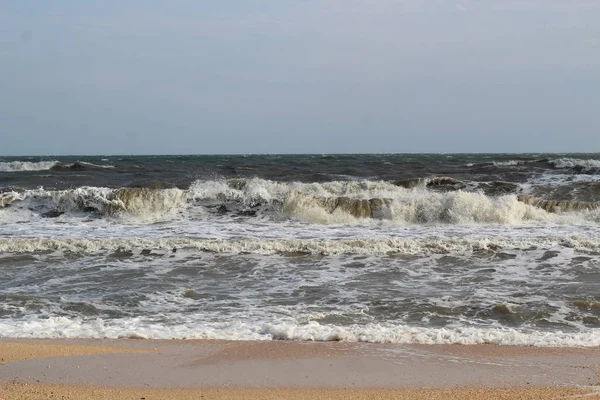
(163, 369)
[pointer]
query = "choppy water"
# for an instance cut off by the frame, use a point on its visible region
(384, 248)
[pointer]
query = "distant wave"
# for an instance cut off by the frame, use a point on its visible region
(508, 163)
(78, 165)
(16, 166)
(563, 163)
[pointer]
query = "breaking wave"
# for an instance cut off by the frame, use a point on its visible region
(403, 202)
(19, 166)
(559, 163)
(79, 165)
(418, 207)
(509, 163)
(16, 166)
(563, 163)
(137, 202)
(426, 201)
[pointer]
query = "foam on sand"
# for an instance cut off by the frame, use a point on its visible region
(139, 328)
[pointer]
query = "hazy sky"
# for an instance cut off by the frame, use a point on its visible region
(302, 76)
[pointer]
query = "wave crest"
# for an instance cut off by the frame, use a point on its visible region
(16, 166)
(433, 201)
(563, 163)
(138, 202)
(78, 166)
(557, 206)
(427, 207)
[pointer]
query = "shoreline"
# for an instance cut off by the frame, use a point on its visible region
(126, 368)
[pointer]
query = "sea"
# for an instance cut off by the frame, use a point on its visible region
(388, 248)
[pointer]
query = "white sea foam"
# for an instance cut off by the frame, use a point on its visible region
(15, 166)
(8, 198)
(509, 163)
(573, 162)
(366, 246)
(63, 327)
(88, 164)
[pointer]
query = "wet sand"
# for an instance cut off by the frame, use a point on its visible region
(156, 369)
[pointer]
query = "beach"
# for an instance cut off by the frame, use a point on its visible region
(286, 200)
(162, 369)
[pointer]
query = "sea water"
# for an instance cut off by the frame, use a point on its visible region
(406, 248)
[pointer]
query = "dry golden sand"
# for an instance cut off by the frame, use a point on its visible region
(21, 351)
(38, 392)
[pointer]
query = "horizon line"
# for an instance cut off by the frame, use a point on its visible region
(290, 154)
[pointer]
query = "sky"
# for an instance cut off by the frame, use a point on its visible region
(298, 76)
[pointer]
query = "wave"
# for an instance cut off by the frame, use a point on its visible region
(19, 166)
(452, 183)
(566, 163)
(7, 198)
(409, 202)
(491, 188)
(147, 202)
(137, 202)
(16, 166)
(78, 166)
(391, 333)
(423, 207)
(509, 163)
(347, 202)
(368, 246)
(556, 206)
(139, 328)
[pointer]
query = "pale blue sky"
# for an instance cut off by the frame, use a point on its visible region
(278, 76)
